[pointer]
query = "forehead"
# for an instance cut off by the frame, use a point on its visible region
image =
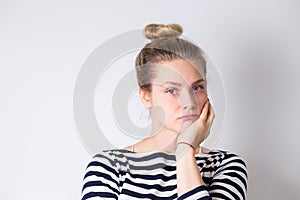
(179, 71)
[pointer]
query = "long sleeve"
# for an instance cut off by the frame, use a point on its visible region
(199, 193)
(101, 179)
(230, 179)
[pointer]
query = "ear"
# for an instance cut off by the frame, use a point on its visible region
(145, 97)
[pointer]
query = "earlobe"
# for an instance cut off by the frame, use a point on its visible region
(145, 97)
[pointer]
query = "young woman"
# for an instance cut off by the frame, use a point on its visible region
(169, 164)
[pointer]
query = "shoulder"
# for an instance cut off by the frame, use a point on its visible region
(114, 160)
(110, 155)
(223, 163)
(224, 156)
(227, 160)
(233, 161)
(104, 160)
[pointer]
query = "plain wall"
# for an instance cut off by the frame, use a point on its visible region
(43, 44)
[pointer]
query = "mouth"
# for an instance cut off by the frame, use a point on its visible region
(188, 117)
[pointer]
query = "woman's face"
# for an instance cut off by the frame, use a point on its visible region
(179, 89)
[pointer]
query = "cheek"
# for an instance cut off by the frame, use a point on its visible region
(172, 107)
(168, 102)
(168, 110)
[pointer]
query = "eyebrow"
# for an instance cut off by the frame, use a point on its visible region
(179, 84)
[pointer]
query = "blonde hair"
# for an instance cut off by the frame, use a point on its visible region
(165, 45)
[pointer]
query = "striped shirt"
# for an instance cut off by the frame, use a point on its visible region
(122, 174)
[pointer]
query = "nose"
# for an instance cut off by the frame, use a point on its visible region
(188, 100)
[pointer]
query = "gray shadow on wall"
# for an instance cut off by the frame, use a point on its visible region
(265, 119)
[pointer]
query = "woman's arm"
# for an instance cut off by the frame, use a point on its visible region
(188, 175)
(189, 181)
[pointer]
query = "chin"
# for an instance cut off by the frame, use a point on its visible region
(185, 124)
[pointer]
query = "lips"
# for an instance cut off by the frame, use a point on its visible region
(187, 117)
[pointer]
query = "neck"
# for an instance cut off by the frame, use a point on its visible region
(163, 140)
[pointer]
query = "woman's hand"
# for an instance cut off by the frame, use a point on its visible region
(199, 130)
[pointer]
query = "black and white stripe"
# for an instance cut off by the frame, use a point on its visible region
(121, 174)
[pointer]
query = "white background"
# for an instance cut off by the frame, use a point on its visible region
(254, 44)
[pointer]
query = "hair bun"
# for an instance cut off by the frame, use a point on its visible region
(155, 31)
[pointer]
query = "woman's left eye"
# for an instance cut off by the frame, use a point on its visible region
(197, 88)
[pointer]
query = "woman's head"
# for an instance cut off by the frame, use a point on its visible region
(165, 45)
(168, 58)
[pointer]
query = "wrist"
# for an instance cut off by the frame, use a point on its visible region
(186, 143)
(184, 150)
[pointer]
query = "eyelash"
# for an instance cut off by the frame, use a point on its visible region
(169, 89)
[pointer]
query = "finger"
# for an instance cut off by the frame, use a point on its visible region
(203, 115)
(211, 113)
